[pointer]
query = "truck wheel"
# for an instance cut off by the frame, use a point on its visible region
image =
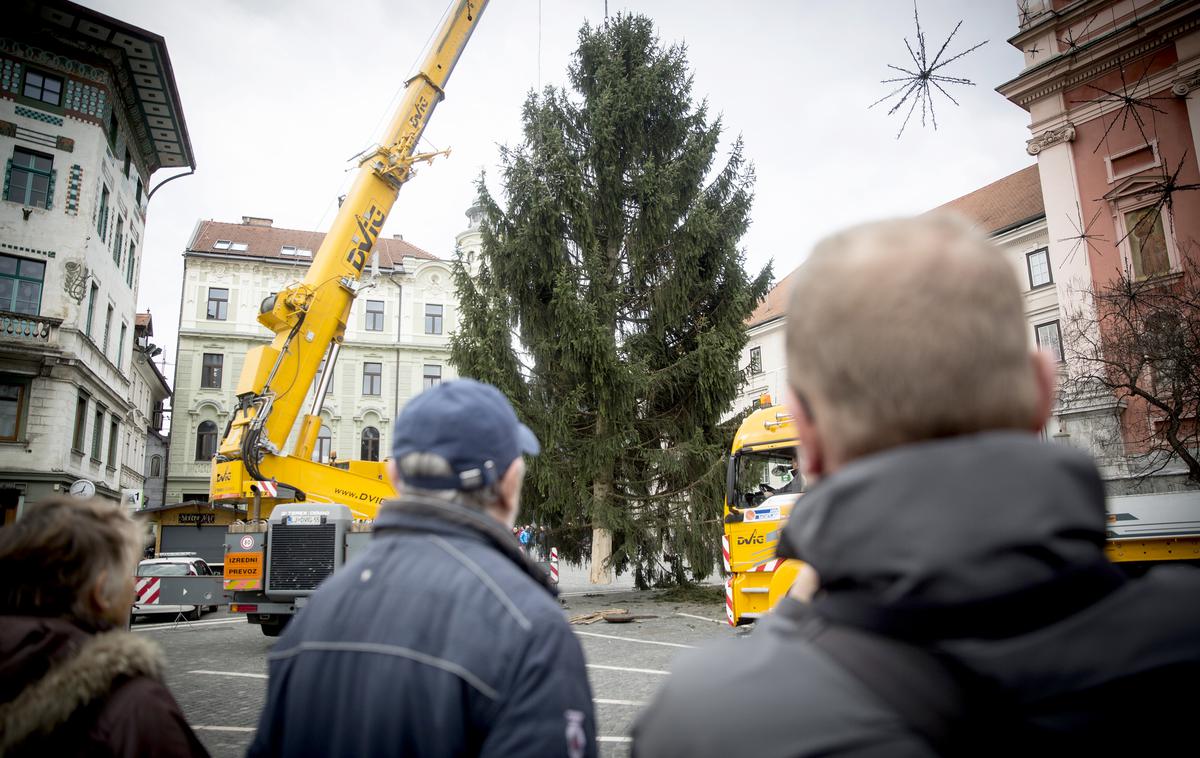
(274, 628)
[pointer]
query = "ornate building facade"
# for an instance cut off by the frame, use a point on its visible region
(89, 111)
(396, 344)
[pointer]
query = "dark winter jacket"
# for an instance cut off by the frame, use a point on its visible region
(440, 639)
(986, 551)
(66, 692)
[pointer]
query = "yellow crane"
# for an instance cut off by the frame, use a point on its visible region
(307, 518)
(309, 319)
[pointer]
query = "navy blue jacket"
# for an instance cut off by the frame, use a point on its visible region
(440, 639)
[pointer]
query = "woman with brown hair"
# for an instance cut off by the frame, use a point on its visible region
(72, 680)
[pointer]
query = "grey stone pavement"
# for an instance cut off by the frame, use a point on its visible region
(217, 666)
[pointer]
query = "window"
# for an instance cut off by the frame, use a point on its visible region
(210, 373)
(131, 264)
(303, 253)
(121, 344)
(433, 319)
(128, 160)
(1037, 264)
(374, 315)
(119, 242)
(370, 444)
(107, 328)
(21, 285)
(756, 360)
(218, 304)
(1147, 242)
(112, 129)
(287, 250)
(91, 314)
(1050, 338)
(114, 430)
(102, 216)
(206, 441)
(221, 245)
(81, 404)
(156, 466)
(432, 376)
(321, 373)
(324, 445)
(138, 195)
(30, 178)
(97, 434)
(12, 399)
(372, 379)
(43, 87)
(240, 247)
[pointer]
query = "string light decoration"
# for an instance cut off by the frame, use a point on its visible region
(1073, 42)
(1129, 102)
(916, 85)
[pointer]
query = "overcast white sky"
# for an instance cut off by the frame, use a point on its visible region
(279, 94)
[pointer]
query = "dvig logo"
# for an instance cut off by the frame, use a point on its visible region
(754, 538)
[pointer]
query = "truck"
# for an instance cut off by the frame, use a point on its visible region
(306, 518)
(1143, 530)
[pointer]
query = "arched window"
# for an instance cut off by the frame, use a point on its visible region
(370, 444)
(206, 441)
(156, 466)
(324, 445)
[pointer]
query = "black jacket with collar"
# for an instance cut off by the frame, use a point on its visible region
(985, 550)
(440, 639)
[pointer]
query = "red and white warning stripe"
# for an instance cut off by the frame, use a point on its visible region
(725, 551)
(768, 566)
(267, 488)
(729, 601)
(147, 590)
(554, 565)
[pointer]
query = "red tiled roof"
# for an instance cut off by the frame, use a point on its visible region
(1003, 203)
(999, 205)
(775, 304)
(266, 241)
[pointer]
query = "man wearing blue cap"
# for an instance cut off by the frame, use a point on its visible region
(442, 638)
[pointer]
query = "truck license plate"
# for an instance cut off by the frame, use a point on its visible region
(304, 519)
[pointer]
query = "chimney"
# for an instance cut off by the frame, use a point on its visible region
(398, 237)
(256, 221)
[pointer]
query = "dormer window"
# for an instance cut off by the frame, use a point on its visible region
(221, 245)
(287, 250)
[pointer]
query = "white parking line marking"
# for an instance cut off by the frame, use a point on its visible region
(624, 668)
(633, 639)
(614, 739)
(603, 701)
(230, 673)
(225, 728)
(700, 618)
(186, 625)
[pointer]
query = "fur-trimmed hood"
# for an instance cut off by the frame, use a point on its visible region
(51, 669)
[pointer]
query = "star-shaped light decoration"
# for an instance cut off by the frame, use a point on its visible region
(915, 85)
(1129, 103)
(1083, 232)
(1163, 192)
(1074, 40)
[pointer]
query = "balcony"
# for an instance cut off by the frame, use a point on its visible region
(24, 329)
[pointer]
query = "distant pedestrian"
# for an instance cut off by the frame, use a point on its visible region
(957, 598)
(73, 682)
(543, 541)
(526, 535)
(441, 638)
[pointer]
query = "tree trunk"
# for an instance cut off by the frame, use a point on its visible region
(601, 572)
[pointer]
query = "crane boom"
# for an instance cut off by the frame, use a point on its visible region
(309, 319)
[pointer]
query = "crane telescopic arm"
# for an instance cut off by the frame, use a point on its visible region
(309, 319)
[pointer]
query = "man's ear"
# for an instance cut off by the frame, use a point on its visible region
(812, 451)
(1045, 371)
(393, 474)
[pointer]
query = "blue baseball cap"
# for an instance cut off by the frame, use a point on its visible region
(470, 424)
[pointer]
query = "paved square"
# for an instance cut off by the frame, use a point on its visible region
(217, 666)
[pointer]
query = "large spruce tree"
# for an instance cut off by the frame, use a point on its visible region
(610, 304)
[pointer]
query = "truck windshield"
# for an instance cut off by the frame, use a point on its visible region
(163, 569)
(758, 475)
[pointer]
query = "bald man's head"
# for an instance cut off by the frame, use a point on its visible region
(908, 330)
